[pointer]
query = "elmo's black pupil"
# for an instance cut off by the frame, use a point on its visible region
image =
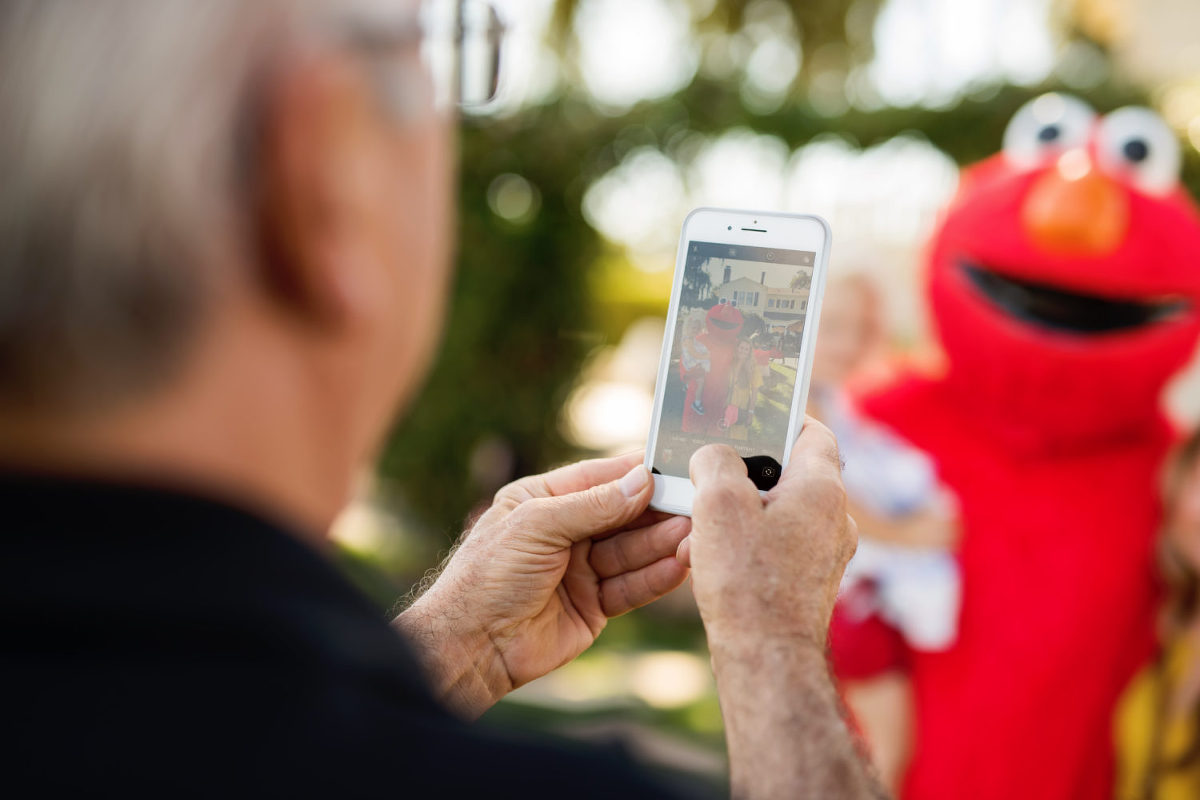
(1049, 133)
(1136, 150)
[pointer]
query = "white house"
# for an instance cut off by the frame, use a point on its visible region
(780, 307)
(749, 296)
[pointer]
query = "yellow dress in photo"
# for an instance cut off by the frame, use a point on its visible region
(741, 396)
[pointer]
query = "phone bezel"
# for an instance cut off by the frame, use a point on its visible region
(807, 232)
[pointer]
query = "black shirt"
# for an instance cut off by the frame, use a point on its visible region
(158, 644)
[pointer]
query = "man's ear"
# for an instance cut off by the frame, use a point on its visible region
(317, 141)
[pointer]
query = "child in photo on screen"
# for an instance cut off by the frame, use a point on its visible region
(745, 382)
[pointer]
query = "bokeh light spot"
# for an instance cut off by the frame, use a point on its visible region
(514, 199)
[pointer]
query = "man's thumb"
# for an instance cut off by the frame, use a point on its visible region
(577, 516)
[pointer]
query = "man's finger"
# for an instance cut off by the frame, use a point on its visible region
(684, 554)
(646, 519)
(814, 462)
(565, 480)
(586, 474)
(814, 453)
(723, 489)
(634, 549)
(595, 511)
(635, 589)
(715, 462)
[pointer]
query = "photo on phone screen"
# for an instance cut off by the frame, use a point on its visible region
(734, 355)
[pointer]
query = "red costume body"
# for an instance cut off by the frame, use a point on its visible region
(1065, 300)
(723, 323)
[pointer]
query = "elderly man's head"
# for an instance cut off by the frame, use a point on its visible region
(208, 206)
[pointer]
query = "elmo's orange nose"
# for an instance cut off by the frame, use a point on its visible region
(1075, 208)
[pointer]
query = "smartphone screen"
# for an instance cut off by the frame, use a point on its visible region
(735, 351)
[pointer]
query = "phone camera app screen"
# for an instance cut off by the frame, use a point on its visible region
(735, 352)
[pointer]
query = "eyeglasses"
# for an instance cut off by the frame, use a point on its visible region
(460, 44)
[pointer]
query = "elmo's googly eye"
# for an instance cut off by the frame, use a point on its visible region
(1045, 127)
(1136, 144)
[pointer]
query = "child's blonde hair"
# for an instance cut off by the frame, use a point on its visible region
(694, 320)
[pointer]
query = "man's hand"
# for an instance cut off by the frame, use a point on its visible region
(769, 568)
(535, 580)
(766, 574)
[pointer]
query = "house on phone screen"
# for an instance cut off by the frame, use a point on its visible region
(779, 307)
(748, 295)
(785, 308)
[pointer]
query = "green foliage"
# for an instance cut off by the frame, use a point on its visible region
(696, 289)
(834, 35)
(517, 326)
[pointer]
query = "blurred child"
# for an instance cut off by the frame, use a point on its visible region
(1157, 724)
(696, 361)
(901, 589)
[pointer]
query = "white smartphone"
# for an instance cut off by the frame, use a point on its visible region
(738, 348)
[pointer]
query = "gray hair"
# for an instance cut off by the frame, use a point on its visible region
(124, 160)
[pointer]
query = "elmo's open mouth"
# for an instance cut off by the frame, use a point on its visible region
(1061, 310)
(724, 324)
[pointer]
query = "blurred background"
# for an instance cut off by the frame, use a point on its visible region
(615, 118)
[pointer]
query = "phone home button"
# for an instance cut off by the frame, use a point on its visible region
(763, 471)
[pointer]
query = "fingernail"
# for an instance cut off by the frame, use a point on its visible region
(634, 481)
(683, 553)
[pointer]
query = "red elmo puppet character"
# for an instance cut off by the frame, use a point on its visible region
(723, 323)
(1064, 282)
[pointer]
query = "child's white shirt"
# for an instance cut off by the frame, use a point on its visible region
(919, 589)
(695, 354)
